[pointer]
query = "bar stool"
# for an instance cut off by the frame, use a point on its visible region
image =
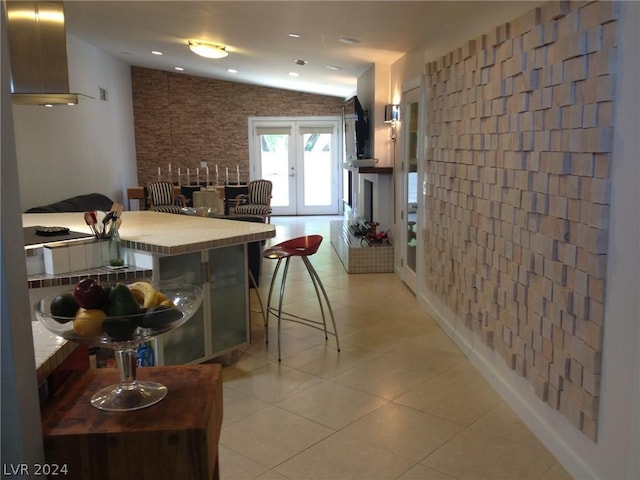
(302, 247)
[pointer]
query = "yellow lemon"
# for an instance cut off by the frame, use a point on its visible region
(88, 323)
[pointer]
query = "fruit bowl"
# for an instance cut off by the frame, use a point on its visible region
(123, 333)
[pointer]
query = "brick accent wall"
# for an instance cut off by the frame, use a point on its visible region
(520, 141)
(185, 120)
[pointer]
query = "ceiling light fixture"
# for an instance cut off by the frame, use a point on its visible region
(333, 67)
(232, 70)
(293, 35)
(180, 69)
(293, 74)
(301, 62)
(155, 52)
(208, 50)
(349, 41)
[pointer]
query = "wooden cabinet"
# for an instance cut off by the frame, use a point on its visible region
(175, 438)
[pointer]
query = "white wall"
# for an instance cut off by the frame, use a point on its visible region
(65, 151)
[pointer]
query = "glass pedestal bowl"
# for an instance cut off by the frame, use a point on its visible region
(125, 334)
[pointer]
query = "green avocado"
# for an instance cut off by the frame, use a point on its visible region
(121, 301)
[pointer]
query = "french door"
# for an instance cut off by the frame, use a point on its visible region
(302, 157)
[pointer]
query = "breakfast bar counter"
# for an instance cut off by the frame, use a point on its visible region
(161, 247)
(164, 233)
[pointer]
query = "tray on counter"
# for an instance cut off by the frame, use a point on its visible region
(39, 235)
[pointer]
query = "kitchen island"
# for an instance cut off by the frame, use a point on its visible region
(210, 252)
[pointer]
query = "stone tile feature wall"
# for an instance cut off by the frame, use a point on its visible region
(520, 141)
(184, 120)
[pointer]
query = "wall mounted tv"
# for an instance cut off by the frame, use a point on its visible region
(356, 127)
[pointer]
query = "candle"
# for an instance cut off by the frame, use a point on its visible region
(227, 173)
(238, 173)
(159, 172)
(169, 169)
(198, 176)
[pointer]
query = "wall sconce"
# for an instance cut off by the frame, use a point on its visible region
(391, 115)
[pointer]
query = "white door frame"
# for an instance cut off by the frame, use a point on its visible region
(413, 279)
(296, 178)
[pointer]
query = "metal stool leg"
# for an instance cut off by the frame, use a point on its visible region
(318, 283)
(255, 287)
(282, 287)
(273, 281)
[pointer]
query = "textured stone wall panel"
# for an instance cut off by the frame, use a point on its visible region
(520, 136)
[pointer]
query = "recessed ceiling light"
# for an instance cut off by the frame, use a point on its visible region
(301, 62)
(293, 74)
(333, 67)
(180, 69)
(155, 52)
(232, 70)
(293, 35)
(208, 50)
(349, 41)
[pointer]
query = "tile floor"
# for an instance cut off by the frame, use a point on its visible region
(399, 401)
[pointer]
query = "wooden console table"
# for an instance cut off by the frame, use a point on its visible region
(176, 438)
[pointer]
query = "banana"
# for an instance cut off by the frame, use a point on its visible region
(146, 291)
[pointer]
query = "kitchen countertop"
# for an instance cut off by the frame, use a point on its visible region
(165, 233)
(160, 233)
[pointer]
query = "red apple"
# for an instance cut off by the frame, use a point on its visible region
(89, 294)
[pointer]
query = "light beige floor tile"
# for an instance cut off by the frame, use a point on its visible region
(234, 466)
(480, 455)
(403, 430)
(237, 405)
(326, 362)
(419, 472)
(394, 373)
(504, 422)
(451, 400)
(332, 404)
(556, 472)
(341, 457)
(272, 436)
(270, 475)
(272, 383)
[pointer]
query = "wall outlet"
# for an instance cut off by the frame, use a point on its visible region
(203, 164)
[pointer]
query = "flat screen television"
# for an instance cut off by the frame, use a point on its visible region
(356, 126)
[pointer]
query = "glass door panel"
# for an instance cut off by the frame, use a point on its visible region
(274, 165)
(411, 149)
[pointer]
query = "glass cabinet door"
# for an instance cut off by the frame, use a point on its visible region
(228, 293)
(186, 343)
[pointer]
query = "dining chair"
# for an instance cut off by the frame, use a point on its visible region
(257, 201)
(163, 199)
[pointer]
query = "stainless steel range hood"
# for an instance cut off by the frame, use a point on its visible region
(38, 50)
